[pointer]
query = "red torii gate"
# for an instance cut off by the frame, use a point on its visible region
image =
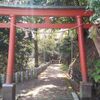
(46, 12)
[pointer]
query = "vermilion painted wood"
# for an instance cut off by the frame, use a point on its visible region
(44, 12)
(7, 11)
(82, 50)
(11, 52)
(44, 25)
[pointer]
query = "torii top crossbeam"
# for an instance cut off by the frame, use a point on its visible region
(45, 11)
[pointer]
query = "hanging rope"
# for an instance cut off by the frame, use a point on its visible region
(24, 29)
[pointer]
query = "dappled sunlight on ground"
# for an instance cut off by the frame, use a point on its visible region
(50, 85)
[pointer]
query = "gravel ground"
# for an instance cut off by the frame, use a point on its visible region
(50, 85)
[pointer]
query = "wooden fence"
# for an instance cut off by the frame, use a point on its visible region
(28, 74)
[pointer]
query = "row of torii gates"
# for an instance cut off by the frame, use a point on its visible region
(46, 12)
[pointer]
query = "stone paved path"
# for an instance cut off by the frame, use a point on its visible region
(50, 85)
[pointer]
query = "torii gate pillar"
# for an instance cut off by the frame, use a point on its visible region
(85, 86)
(9, 87)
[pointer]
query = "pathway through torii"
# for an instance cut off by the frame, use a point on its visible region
(50, 85)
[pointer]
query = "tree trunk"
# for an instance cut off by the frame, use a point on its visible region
(95, 36)
(36, 50)
(97, 44)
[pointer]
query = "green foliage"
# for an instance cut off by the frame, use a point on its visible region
(65, 50)
(48, 2)
(23, 51)
(47, 44)
(65, 46)
(64, 67)
(96, 72)
(3, 48)
(63, 20)
(32, 19)
(95, 6)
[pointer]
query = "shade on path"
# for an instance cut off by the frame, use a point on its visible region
(50, 85)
